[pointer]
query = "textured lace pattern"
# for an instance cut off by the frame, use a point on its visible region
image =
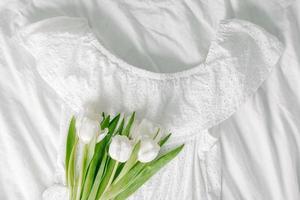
(56, 192)
(75, 64)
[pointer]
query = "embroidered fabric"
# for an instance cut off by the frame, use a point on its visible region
(80, 69)
(56, 192)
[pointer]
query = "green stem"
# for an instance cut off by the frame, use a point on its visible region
(82, 172)
(71, 168)
(111, 177)
(121, 185)
(73, 189)
(128, 165)
(91, 183)
(98, 179)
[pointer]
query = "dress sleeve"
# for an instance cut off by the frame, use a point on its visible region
(242, 57)
(59, 47)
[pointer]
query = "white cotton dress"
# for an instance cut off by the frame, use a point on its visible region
(80, 69)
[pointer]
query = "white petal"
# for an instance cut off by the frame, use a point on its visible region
(148, 151)
(120, 148)
(145, 129)
(87, 129)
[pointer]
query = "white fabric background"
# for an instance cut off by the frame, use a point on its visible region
(260, 143)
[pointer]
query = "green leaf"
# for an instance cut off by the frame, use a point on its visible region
(126, 131)
(120, 167)
(164, 140)
(70, 143)
(105, 123)
(149, 170)
(130, 163)
(112, 127)
(98, 179)
(120, 128)
(71, 169)
(111, 177)
(113, 123)
(123, 183)
(92, 169)
(107, 177)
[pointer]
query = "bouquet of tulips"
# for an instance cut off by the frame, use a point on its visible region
(110, 159)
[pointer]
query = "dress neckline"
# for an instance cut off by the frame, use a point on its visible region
(144, 73)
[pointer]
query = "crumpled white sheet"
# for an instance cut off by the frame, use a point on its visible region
(260, 143)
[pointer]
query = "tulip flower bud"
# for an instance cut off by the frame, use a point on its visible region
(145, 129)
(148, 151)
(120, 148)
(87, 128)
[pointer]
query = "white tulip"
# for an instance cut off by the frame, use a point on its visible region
(148, 151)
(120, 148)
(87, 128)
(145, 129)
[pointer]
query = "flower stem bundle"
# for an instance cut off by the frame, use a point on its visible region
(109, 159)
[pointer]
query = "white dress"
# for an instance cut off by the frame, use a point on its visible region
(80, 69)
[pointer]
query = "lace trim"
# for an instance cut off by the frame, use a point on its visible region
(221, 86)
